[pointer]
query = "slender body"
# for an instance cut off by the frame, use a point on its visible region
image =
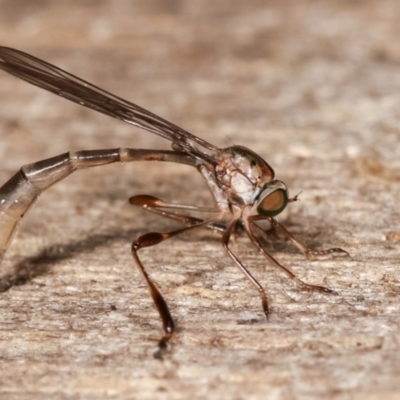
(23, 189)
(241, 182)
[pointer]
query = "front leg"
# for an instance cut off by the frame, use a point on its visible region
(309, 253)
(249, 223)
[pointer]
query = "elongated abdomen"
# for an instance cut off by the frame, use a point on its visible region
(20, 192)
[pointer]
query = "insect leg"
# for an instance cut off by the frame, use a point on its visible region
(309, 253)
(249, 223)
(261, 291)
(19, 193)
(151, 239)
(157, 206)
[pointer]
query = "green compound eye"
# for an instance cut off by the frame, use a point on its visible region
(273, 203)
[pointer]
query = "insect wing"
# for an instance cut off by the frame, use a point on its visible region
(64, 84)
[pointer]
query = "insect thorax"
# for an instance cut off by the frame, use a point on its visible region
(242, 174)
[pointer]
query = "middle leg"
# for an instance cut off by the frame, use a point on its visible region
(158, 206)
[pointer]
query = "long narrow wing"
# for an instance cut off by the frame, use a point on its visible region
(64, 84)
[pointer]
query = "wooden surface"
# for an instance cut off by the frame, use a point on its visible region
(312, 86)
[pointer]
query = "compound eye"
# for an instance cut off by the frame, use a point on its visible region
(273, 204)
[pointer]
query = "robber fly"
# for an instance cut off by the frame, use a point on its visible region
(241, 182)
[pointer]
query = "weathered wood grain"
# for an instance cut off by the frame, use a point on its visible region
(314, 87)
